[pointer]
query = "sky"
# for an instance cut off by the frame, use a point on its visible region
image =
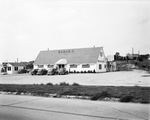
(29, 26)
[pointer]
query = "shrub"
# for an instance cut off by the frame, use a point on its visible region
(40, 93)
(89, 71)
(42, 84)
(144, 101)
(75, 84)
(2, 70)
(126, 99)
(64, 84)
(101, 95)
(50, 84)
(18, 92)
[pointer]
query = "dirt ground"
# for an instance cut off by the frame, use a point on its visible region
(121, 78)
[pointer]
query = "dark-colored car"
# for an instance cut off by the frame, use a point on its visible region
(41, 72)
(22, 71)
(34, 71)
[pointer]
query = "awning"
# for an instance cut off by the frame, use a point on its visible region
(61, 62)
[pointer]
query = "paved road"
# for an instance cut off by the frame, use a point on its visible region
(13, 107)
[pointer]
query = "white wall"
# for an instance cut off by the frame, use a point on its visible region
(103, 67)
(35, 67)
(13, 69)
(44, 67)
(93, 66)
(79, 68)
(101, 61)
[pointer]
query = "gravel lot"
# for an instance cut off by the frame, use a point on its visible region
(122, 78)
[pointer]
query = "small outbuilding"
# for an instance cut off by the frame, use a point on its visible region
(74, 60)
(13, 68)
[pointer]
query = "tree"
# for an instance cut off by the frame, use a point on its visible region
(30, 65)
(117, 56)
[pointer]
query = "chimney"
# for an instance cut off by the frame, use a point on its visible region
(17, 60)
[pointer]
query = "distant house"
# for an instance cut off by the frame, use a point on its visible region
(111, 63)
(74, 60)
(12, 68)
(132, 56)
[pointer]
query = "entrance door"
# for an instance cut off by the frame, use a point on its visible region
(61, 66)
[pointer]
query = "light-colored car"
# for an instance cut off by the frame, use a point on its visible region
(52, 71)
(41, 72)
(34, 71)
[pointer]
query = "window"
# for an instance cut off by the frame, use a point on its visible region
(100, 66)
(86, 66)
(105, 66)
(73, 66)
(9, 68)
(101, 54)
(16, 68)
(50, 66)
(40, 66)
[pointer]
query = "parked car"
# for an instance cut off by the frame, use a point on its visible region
(34, 71)
(41, 72)
(62, 71)
(22, 71)
(52, 71)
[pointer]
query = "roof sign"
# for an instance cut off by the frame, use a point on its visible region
(65, 51)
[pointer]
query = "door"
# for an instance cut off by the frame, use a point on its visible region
(61, 66)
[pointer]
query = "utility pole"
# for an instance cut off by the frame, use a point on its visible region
(132, 51)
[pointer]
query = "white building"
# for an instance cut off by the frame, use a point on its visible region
(13, 68)
(74, 60)
(1, 66)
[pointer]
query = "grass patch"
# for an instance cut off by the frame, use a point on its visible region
(133, 94)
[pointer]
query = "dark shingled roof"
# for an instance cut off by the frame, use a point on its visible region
(17, 64)
(80, 55)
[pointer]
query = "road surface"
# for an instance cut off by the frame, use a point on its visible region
(15, 107)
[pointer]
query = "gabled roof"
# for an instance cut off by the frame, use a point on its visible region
(17, 64)
(80, 55)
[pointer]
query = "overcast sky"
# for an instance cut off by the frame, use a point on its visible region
(29, 26)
